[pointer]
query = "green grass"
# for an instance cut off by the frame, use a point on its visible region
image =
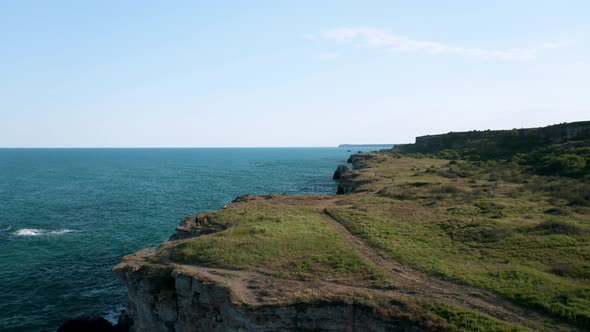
(286, 240)
(467, 321)
(487, 224)
(495, 234)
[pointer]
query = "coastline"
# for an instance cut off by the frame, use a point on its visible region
(279, 262)
(198, 225)
(228, 299)
(393, 249)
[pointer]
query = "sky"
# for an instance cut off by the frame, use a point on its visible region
(285, 73)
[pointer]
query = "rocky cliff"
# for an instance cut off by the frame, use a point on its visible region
(353, 180)
(167, 294)
(172, 297)
(303, 263)
(490, 144)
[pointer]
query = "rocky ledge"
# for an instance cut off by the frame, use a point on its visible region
(168, 294)
(174, 297)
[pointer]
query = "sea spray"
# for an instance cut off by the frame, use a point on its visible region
(39, 232)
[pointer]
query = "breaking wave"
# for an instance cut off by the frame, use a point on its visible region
(39, 232)
(113, 314)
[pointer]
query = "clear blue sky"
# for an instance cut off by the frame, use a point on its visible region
(268, 73)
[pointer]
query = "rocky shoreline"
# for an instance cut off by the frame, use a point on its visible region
(172, 297)
(180, 298)
(349, 262)
(168, 297)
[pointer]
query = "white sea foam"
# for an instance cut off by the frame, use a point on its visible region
(39, 231)
(113, 314)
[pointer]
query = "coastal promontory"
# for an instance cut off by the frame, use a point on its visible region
(436, 240)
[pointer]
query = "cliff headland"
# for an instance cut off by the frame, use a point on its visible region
(448, 234)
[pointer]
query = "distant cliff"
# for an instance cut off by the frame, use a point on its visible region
(366, 145)
(491, 144)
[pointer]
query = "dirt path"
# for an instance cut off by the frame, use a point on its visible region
(411, 282)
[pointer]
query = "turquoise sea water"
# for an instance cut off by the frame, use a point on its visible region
(68, 215)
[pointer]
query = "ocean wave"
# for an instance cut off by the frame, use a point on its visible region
(39, 231)
(6, 229)
(113, 314)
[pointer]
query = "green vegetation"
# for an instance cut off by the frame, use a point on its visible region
(487, 224)
(504, 211)
(286, 240)
(469, 321)
(562, 150)
(571, 159)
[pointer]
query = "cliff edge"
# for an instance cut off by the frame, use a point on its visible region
(273, 263)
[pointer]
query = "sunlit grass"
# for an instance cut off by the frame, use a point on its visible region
(286, 240)
(493, 234)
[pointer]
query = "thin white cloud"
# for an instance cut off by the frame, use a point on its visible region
(559, 43)
(310, 36)
(381, 39)
(328, 56)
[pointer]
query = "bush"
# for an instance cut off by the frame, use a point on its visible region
(419, 184)
(448, 154)
(447, 189)
(557, 211)
(565, 164)
(486, 234)
(493, 209)
(564, 270)
(446, 174)
(558, 227)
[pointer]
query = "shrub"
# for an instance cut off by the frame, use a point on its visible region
(558, 227)
(493, 209)
(448, 154)
(419, 184)
(446, 174)
(557, 211)
(564, 270)
(447, 189)
(565, 164)
(486, 234)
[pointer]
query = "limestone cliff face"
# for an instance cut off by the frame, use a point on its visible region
(179, 298)
(499, 143)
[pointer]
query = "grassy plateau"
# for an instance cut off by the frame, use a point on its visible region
(507, 221)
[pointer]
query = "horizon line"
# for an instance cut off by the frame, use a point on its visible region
(164, 147)
(197, 147)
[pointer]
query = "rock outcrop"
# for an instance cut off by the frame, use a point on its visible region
(351, 180)
(170, 297)
(341, 169)
(201, 224)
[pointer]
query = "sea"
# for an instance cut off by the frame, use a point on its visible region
(67, 216)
